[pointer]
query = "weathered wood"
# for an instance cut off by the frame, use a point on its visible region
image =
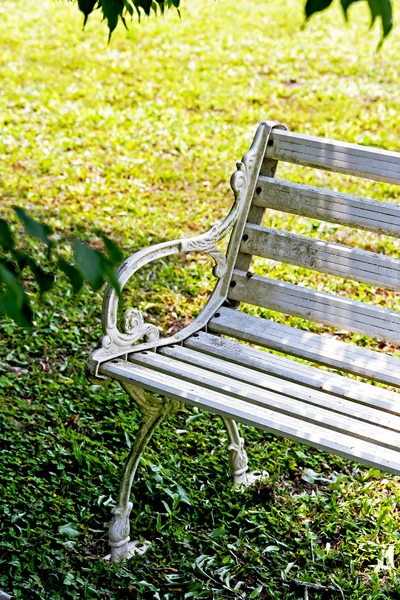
(290, 399)
(327, 205)
(352, 159)
(326, 257)
(316, 306)
(262, 361)
(320, 349)
(296, 429)
(220, 374)
(256, 212)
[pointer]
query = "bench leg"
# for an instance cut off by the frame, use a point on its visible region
(238, 462)
(154, 410)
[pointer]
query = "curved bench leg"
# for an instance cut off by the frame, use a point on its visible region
(238, 461)
(154, 410)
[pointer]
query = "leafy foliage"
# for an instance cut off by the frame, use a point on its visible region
(379, 9)
(38, 230)
(117, 10)
(90, 265)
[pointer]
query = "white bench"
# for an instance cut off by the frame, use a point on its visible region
(205, 365)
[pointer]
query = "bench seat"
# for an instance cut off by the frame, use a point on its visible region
(281, 396)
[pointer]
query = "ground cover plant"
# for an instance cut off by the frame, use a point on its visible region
(138, 139)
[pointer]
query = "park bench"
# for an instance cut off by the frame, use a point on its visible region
(207, 365)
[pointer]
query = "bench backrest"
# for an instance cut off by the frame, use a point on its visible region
(318, 255)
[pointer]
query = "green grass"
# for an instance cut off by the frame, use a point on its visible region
(139, 139)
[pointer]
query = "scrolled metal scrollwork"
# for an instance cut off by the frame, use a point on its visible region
(133, 328)
(117, 341)
(120, 341)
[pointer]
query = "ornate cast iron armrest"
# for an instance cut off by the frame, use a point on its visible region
(122, 341)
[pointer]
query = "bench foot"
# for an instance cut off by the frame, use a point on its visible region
(154, 410)
(253, 476)
(132, 548)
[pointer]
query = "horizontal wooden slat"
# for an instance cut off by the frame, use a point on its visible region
(240, 381)
(264, 362)
(320, 349)
(319, 307)
(296, 401)
(371, 163)
(285, 425)
(326, 205)
(319, 255)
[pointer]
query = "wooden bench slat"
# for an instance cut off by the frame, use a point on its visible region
(327, 205)
(309, 346)
(317, 436)
(316, 306)
(318, 255)
(296, 401)
(370, 163)
(242, 381)
(324, 145)
(265, 362)
(333, 160)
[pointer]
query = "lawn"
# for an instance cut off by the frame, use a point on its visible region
(139, 138)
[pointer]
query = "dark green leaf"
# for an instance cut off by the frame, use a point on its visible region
(23, 260)
(374, 6)
(11, 267)
(114, 253)
(40, 231)
(43, 279)
(111, 276)
(86, 6)
(345, 5)
(22, 315)
(161, 5)
(6, 237)
(382, 9)
(137, 8)
(146, 5)
(313, 6)
(11, 281)
(91, 264)
(69, 530)
(256, 592)
(112, 10)
(14, 301)
(128, 7)
(74, 276)
(124, 22)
